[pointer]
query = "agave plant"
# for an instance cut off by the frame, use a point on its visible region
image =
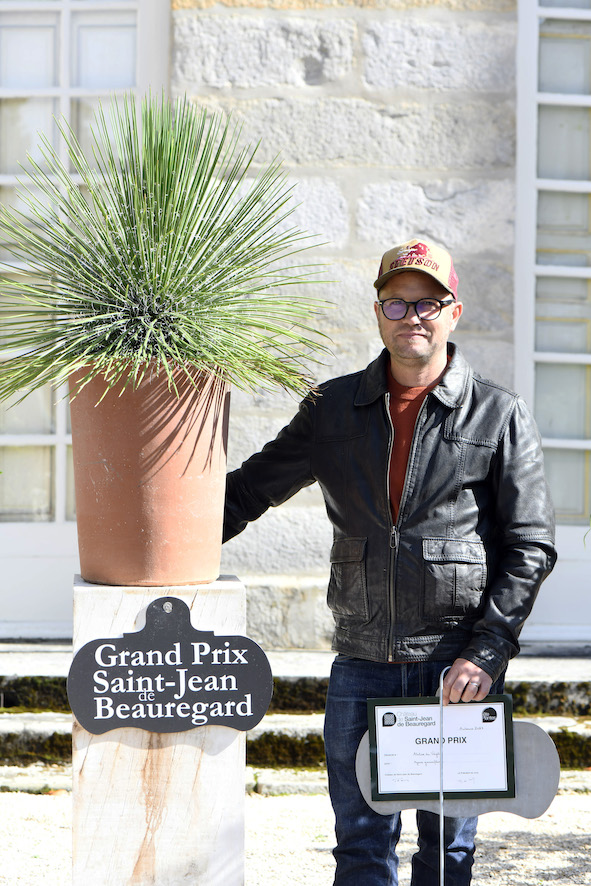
(162, 249)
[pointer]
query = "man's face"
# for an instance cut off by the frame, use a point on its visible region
(412, 341)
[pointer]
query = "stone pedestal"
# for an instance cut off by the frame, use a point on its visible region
(153, 809)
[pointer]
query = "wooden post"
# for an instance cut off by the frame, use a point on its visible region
(154, 809)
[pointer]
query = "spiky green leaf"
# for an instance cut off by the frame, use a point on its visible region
(163, 247)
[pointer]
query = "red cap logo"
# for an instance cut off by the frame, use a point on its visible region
(417, 249)
(417, 254)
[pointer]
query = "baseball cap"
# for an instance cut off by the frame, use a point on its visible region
(419, 255)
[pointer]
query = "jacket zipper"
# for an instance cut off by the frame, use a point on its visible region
(395, 527)
(393, 534)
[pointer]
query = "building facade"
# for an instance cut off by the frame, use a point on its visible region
(466, 121)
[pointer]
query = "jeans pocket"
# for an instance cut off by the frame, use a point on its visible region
(347, 589)
(454, 577)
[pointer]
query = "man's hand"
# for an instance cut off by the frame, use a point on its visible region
(465, 681)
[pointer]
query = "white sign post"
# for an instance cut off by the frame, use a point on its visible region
(151, 807)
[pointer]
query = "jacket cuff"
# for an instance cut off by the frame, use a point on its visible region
(492, 661)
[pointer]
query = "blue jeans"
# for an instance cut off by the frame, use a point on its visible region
(366, 841)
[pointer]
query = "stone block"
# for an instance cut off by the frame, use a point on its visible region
(291, 539)
(492, 358)
(276, 400)
(244, 51)
(346, 308)
(413, 51)
(494, 6)
(410, 135)
(288, 611)
(354, 352)
(321, 210)
(469, 217)
(350, 297)
(486, 289)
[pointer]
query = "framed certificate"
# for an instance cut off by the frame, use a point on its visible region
(404, 748)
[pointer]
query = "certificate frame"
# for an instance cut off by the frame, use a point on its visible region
(405, 763)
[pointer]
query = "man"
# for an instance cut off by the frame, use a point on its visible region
(443, 533)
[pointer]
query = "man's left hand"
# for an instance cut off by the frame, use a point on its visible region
(465, 681)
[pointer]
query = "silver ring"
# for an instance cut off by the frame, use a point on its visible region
(472, 683)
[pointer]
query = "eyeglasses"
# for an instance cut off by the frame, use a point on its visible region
(425, 308)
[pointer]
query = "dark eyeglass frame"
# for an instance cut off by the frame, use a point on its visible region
(415, 304)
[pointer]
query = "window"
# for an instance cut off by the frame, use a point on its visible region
(59, 59)
(553, 242)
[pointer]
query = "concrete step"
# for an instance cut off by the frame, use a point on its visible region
(291, 734)
(54, 659)
(41, 778)
(279, 740)
(296, 740)
(285, 753)
(32, 676)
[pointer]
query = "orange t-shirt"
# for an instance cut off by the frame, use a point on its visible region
(405, 404)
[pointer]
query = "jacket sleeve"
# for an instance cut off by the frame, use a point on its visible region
(271, 476)
(525, 523)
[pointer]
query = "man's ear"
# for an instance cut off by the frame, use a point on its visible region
(456, 313)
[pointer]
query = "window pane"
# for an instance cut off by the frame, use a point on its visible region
(562, 288)
(28, 51)
(568, 476)
(104, 56)
(83, 111)
(564, 143)
(554, 332)
(9, 197)
(563, 315)
(100, 56)
(567, 4)
(562, 400)
(563, 230)
(565, 57)
(563, 237)
(26, 483)
(70, 499)
(563, 321)
(35, 415)
(21, 121)
(574, 254)
(562, 212)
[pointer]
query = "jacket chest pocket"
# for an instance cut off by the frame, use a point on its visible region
(347, 589)
(454, 577)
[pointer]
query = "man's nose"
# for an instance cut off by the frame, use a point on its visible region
(412, 317)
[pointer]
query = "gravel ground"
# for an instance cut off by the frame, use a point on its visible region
(289, 840)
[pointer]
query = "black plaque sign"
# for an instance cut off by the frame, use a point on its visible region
(169, 677)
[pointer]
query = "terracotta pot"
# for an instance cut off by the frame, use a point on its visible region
(149, 472)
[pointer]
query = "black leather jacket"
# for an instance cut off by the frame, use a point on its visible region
(458, 573)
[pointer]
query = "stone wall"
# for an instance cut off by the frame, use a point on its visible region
(394, 118)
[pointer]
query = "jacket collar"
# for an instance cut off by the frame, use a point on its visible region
(451, 390)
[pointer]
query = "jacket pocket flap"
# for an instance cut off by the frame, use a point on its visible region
(455, 550)
(348, 550)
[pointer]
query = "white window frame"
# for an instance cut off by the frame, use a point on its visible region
(37, 543)
(574, 550)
